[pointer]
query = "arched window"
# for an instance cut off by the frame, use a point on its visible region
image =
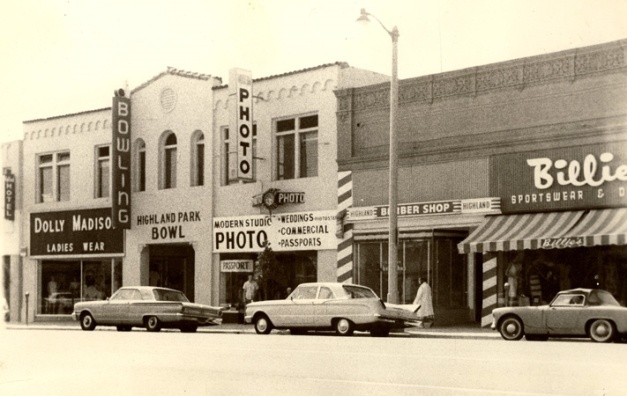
(169, 159)
(198, 159)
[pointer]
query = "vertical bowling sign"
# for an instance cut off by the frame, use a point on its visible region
(121, 161)
(241, 83)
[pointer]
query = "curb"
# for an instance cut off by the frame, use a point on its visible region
(453, 333)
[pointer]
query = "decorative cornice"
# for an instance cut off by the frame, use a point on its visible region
(543, 69)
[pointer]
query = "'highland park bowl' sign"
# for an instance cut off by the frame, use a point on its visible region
(285, 232)
(582, 177)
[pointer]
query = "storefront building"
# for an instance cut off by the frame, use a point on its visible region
(69, 248)
(289, 198)
(464, 137)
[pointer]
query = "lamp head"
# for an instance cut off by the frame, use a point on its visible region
(363, 18)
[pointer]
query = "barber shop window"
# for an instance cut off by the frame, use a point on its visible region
(297, 147)
(103, 173)
(53, 177)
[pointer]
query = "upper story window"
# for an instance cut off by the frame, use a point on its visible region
(169, 161)
(229, 157)
(139, 159)
(198, 159)
(103, 173)
(297, 147)
(53, 177)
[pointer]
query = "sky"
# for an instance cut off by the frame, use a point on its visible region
(67, 56)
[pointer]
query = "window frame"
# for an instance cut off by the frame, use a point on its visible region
(98, 180)
(58, 192)
(168, 152)
(198, 157)
(300, 135)
(139, 159)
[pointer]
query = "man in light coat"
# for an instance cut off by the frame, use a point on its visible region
(425, 300)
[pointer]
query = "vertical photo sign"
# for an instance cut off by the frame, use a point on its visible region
(121, 161)
(241, 83)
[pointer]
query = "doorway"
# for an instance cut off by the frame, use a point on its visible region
(172, 266)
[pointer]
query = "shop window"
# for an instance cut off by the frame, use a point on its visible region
(103, 173)
(297, 147)
(198, 159)
(63, 283)
(53, 178)
(169, 159)
(140, 165)
(229, 157)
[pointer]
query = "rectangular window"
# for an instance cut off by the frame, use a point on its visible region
(297, 147)
(229, 155)
(53, 182)
(142, 169)
(103, 173)
(170, 168)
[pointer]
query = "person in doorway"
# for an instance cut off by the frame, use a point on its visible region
(250, 289)
(425, 300)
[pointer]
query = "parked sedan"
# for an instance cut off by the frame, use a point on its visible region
(329, 306)
(144, 306)
(590, 313)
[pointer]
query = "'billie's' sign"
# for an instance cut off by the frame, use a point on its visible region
(121, 161)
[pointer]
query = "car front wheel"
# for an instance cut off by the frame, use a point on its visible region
(602, 330)
(153, 324)
(344, 327)
(87, 322)
(511, 329)
(263, 325)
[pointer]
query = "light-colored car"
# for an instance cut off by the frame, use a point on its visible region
(145, 306)
(330, 306)
(580, 312)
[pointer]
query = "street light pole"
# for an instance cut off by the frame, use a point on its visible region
(392, 296)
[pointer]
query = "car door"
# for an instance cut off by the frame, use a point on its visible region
(116, 309)
(137, 307)
(562, 317)
(321, 316)
(299, 311)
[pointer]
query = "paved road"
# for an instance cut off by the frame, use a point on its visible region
(56, 362)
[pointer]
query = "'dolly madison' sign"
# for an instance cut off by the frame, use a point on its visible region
(581, 177)
(75, 232)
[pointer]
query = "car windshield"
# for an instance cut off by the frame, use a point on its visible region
(359, 292)
(169, 295)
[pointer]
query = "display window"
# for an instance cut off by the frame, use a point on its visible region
(533, 277)
(64, 283)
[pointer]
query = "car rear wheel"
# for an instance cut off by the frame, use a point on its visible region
(153, 324)
(344, 327)
(602, 330)
(511, 329)
(263, 325)
(87, 322)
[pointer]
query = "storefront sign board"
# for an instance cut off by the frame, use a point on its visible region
(121, 162)
(236, 266)
(581, 177)
(241, 83)
(75, 232)
(313, 230)
(9, 195)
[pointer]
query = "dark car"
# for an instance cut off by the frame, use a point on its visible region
(144, 306)
(592, 313)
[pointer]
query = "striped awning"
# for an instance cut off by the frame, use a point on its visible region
(518, 231)
(601, 228)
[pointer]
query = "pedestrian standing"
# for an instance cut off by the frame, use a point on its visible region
(250, 289)
(425, 300)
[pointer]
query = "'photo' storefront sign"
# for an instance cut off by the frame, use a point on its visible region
(285, 232)
(582, 177)
(464, 206)
(75, 233)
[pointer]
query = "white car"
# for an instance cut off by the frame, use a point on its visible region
(330, 306)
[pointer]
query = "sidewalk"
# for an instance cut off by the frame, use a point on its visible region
(229, 328)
